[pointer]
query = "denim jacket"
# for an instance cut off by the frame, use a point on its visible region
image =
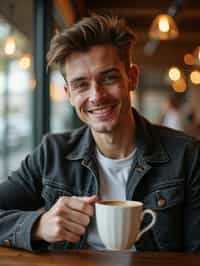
(165, 176)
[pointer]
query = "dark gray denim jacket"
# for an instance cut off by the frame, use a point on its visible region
(165, 175)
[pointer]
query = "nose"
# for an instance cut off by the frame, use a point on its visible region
(97, 92)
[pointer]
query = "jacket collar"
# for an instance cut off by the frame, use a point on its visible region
(148, 141)
(82, 144)
(149, 146)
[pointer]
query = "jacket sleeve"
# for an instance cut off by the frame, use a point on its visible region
(192, 201)
(20, 201)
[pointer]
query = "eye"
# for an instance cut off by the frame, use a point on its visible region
(80, 86)
(110, 79)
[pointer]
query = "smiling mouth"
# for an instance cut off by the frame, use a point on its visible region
(102, 110)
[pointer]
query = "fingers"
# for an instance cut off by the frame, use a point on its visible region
(61, 234)
(71, 237)
(74, 227)
(68, 230)
(90, 200)
(78, 217)
(74, 209)
(68, 236)
(66, 220)
(82, 206)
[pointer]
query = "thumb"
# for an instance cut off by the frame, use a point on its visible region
(92, 199)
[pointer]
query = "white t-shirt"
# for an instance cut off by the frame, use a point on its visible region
(113, 178)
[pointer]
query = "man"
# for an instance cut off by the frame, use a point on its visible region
(48, 202)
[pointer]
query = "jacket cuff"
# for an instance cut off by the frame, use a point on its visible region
(23, 234)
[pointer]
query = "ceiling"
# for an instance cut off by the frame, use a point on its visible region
(140, 14)
(13, 12)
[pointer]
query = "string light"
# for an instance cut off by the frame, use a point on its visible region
(179, 86)
(25, 61)
(197, 55)
(189, 59)
(33, 84)
(195, 77)
(174, 73)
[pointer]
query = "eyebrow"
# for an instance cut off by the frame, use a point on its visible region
(77, 79)
(108, 70)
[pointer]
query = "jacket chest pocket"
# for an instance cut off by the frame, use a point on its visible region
(52, 192)
(167, 202)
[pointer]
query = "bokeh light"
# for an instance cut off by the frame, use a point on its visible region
(174, 73)
(163, 24)
(195, 77)
(10, 46)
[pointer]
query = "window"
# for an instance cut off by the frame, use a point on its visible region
(16, 88)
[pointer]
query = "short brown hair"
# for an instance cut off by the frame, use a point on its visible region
(88, 32)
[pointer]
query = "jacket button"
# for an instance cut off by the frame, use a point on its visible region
(162, 202)
(7, 243)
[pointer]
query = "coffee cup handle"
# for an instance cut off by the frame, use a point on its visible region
(153, 214)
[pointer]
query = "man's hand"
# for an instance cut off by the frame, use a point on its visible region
(66, 220)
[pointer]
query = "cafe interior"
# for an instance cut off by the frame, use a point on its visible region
(32, 99)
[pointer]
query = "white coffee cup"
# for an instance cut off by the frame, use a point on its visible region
(118, 222)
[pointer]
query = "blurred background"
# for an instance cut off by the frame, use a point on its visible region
(32, 100)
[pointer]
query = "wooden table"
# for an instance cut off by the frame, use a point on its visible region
(14, 257)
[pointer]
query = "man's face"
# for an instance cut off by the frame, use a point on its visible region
(98, 87)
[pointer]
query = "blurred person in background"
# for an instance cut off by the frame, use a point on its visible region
(172, 117)
(191, 122)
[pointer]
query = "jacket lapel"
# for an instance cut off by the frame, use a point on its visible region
(149, 151)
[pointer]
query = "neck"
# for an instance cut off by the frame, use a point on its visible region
(119, 143)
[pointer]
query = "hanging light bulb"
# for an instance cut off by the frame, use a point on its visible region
(163, 27)
(10, 46)
(163, 24)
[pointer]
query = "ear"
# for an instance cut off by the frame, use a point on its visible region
(134, 75)
(68, 94)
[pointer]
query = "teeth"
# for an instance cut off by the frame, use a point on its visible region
(104, 110)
